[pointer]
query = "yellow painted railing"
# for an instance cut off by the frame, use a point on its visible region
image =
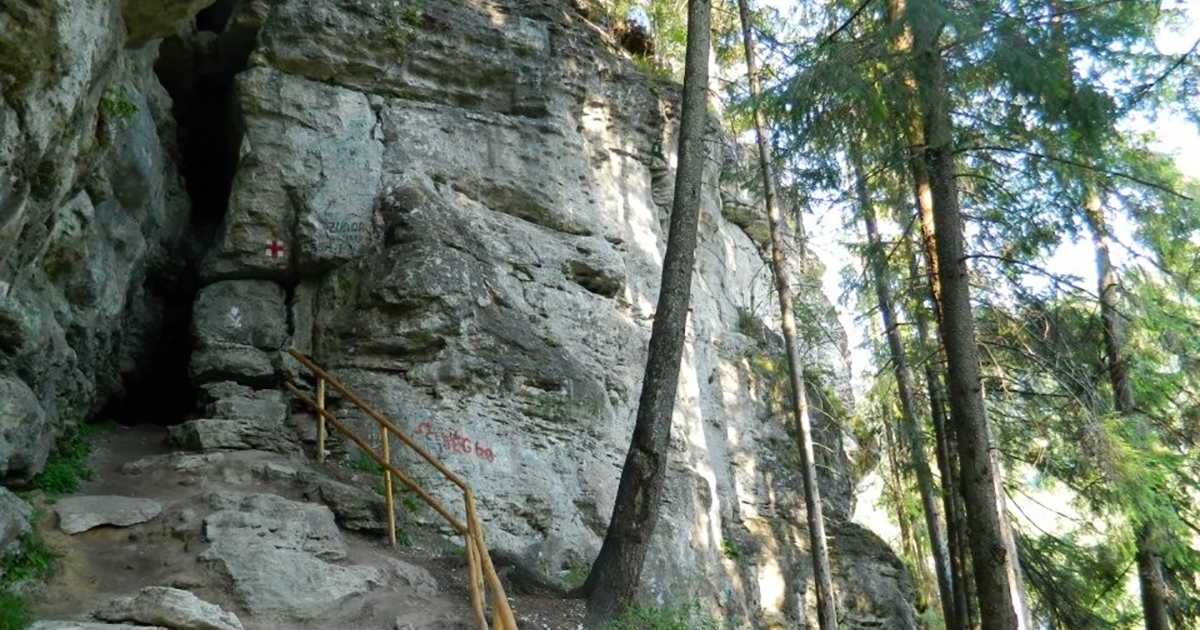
(482, 573)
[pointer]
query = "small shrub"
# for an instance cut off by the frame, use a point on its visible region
(729, 550)
(749, 325)
(644, 617)
(403, 17)
(573, 574)
(655, 69)
(14, 612)
(116, 105)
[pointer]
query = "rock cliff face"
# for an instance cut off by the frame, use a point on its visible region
(92, 216)
(458, 208)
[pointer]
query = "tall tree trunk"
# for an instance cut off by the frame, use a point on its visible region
(993, 552)
(822, 575)
(908, 407)
(964, 592)
(616, 573)
(1150, 571)
(914, 132)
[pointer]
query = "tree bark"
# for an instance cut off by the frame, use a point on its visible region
(997, 573)
(1150, 571)
(616, 573)
(822, 575)
(915, 439)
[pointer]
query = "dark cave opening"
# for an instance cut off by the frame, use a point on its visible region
(197, 69)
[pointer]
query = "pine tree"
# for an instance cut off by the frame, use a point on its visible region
(826, 607)
(616, 573)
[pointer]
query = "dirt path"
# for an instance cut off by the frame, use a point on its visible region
(425, 587)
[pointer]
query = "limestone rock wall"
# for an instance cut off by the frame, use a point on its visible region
(91, 206)
(459, 207)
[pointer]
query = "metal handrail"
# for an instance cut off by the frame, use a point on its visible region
(481, 571)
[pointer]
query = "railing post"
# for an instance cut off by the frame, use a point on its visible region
(386, 452)
(320, 420)
(475, 583)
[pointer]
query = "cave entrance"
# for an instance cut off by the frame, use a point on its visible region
(197, 69)
(159, 390)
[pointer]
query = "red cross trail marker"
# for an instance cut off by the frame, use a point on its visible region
(274, 247)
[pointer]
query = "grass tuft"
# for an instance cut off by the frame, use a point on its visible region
(14, 612)
(33, 561)
(68, 467)
(644, 617)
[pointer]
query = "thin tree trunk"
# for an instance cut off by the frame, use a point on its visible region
(908, 542)
(907, 394)
(822, 575)
(997, 574)
(616, 573)
(1150, 572)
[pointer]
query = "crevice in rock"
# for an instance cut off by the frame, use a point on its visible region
(197, 70)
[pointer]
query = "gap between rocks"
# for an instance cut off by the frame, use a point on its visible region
(197, 69)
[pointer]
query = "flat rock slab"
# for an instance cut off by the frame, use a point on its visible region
(170, 607)
(215, 434)
(285, 524)
(286, 583)
(79, 514)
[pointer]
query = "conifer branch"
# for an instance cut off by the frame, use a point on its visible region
(1078, 164)
(1139, 93)
(854, 16)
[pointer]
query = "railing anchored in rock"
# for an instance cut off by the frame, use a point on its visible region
(482, 574)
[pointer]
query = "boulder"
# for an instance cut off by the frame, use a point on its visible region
(170, 607)
(356, 508)
(26, 435)
(81, 513)
(243, 312)
(238, 327)
(221, 361)
(276, 553)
